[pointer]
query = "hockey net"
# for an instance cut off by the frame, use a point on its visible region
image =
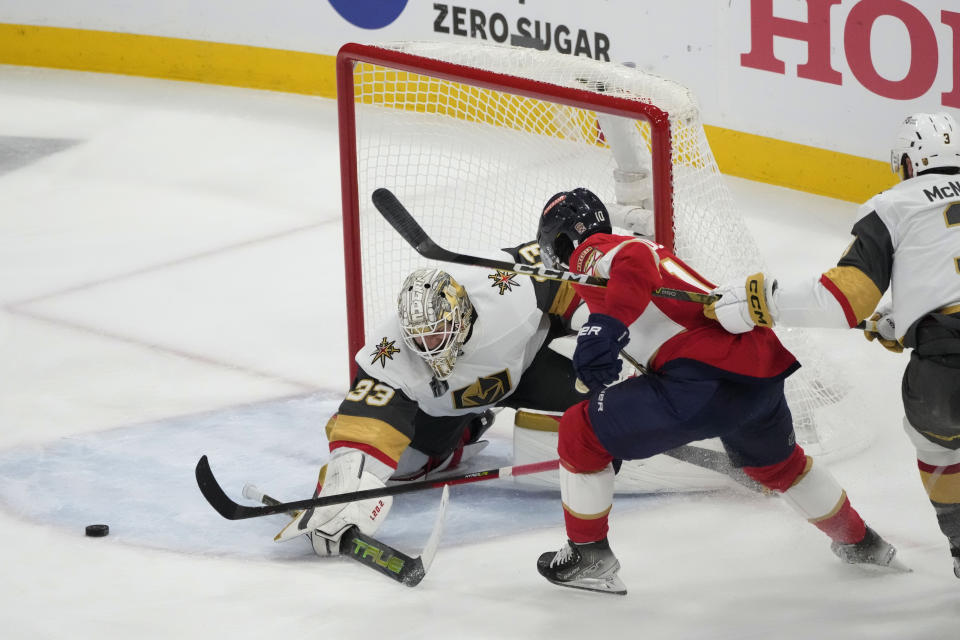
(474, 139)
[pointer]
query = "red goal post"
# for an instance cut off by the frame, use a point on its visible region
(352, 53)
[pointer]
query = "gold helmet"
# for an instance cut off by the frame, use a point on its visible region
(435, 318)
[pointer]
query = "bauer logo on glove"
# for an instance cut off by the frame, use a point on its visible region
(596, 359)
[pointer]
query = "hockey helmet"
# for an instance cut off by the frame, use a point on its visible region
(929, 141)
(569, 218)
(435, 318)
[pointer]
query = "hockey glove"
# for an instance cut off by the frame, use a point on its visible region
(326, 525)
(596, 360)
(880, 328)
(742, 307)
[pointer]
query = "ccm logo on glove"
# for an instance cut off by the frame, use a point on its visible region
(757, 308)
(758, 301)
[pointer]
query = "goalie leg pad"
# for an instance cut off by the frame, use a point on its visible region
(346, 472)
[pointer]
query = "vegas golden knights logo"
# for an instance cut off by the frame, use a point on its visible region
(504, 280)
(486, 390)
(384, 351)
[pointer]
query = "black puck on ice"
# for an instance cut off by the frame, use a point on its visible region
(97, 530)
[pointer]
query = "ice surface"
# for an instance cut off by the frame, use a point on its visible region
(171, 286)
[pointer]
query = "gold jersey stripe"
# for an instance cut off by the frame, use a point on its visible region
(376, 433)
(561, 301)
(942, 487)
(330, 424)
(939, 436)
(861, 293)
(536, 421)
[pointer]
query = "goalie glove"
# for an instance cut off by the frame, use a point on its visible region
(880, 327)
(345, 473)
(742, 307)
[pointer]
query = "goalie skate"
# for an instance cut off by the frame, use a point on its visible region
(872, 550)
(591, 566)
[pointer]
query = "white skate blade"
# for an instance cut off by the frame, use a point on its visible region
(612, 585)
(608, 582)
(893, 565)
(896, 565)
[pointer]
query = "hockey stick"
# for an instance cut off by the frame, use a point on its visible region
(230, 510)
(715, 461)
(374, 553)
(400, 219)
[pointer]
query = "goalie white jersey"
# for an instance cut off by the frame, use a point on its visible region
(508, 332)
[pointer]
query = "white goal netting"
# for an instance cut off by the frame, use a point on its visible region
(475, 164)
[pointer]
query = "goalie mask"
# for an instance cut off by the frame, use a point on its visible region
(569, 218)
(929, 141)
(435, 318)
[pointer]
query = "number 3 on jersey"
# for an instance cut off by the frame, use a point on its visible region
(376, 394)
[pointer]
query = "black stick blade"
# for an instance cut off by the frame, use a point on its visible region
(399, 218)
(212, 491)
(222, 503)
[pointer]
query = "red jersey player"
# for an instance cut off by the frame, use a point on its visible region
(699, 382)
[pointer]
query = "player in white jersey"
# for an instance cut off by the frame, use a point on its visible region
(462, 342)
(906, 239)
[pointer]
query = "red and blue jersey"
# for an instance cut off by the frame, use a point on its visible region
(665, 329)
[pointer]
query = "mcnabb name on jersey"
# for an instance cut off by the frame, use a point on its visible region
(947, 191)
(474, 23)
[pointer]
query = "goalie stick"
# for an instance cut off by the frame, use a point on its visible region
(230, 510)
(374, 553)
(715, 461)
(400, 219)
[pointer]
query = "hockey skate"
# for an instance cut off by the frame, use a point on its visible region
(872, 550)
(590, 566)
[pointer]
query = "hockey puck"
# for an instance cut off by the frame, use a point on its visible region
(97, 530)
